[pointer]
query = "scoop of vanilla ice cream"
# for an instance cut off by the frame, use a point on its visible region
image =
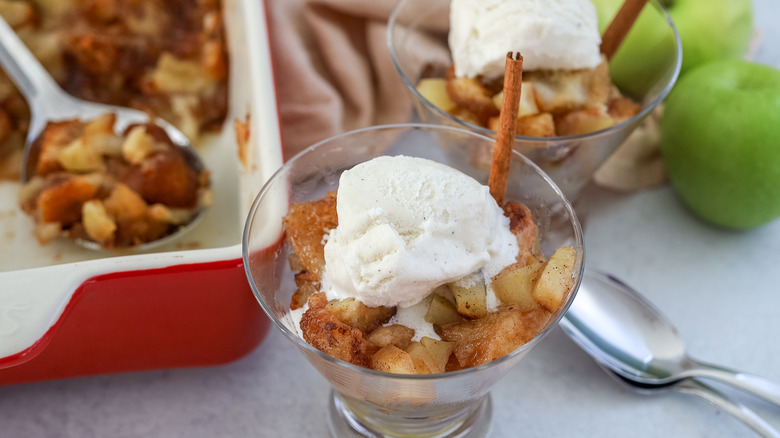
(550, 34)
(408, 225)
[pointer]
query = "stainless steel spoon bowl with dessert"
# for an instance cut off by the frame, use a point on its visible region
(107, 177)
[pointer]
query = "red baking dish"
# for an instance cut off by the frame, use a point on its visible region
(67, 312)
(181, 315)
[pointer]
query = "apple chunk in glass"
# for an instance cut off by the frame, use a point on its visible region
(417, 39)
(365, 402)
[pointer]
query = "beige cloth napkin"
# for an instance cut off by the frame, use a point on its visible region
(332, 68)
(333, 73)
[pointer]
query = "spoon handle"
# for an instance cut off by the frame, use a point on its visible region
(22, 67)
(738, 410)
(747, 382)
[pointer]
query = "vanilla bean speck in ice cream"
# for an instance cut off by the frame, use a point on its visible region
(407, 225)
(550, 34)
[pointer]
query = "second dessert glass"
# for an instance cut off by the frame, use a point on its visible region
(417, 40)
(365, 402)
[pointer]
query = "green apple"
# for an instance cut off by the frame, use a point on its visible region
(720, 142)
(709, 30)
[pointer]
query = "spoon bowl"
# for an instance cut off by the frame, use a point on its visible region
(48, 102)
(60, 106)
(624, 332)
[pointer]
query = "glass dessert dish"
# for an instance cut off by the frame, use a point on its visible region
(417, 40)
(365, 402)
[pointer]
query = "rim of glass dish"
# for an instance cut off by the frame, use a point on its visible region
(488, 132)
(578, 244)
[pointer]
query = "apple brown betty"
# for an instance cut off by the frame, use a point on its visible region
(165, 57)
(552, 103)
(531, 292)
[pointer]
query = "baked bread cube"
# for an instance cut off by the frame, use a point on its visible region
(306, 225)
(395, 334)
(391, 359)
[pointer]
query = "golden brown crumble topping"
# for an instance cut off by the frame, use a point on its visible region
(165, 57)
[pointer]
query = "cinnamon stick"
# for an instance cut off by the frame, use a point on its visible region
(502, 153)
(619, 27)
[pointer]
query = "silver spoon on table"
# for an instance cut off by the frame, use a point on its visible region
(48, 102)
(625, 332)
(696, 388)
(639, 347)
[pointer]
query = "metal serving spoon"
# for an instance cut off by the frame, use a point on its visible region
(48, 102)
(696, 388)
(618, 327)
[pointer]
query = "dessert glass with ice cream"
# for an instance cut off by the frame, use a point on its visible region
(426, 38)
(367, 402)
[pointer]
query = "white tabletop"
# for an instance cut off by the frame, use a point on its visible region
(722, 289)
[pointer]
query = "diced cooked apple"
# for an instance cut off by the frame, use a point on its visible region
(527, 105)
(176, 75)
(138, 145)
(435, 90)
(100, 136)
(470, 296)
(78, 156)
(555, 278)
(441, 312)
(391, 359)
(424, 363)
(514, 286)
(358, 315)
(395, 334)
(174, 216)
(104, 124)
(559, 91)
(440, 352)
(97, 223)
(125, 204)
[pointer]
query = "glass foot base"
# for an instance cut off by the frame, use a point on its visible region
(343, 423)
